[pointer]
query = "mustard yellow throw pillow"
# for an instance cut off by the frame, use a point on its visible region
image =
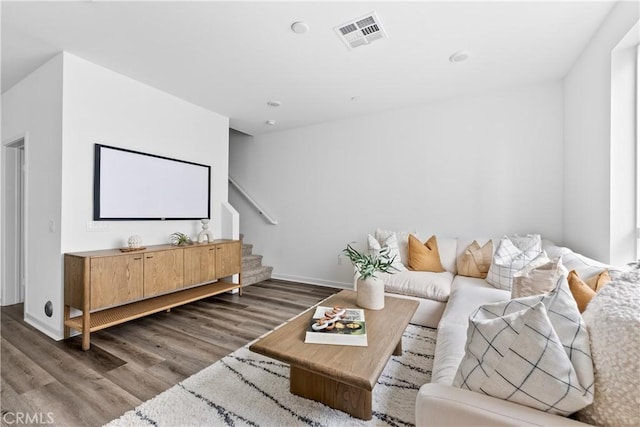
(581, 292)
(424, 257)
(598, 281)
(475, 260)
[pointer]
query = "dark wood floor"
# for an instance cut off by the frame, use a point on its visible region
(44, 380)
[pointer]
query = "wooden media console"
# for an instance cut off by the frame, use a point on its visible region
(113, 287)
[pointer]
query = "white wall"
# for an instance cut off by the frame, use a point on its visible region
(95, 105)
(35, 106)
(104, 107)
(587, 140)
(482, 165)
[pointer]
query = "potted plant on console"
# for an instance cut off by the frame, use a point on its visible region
(180, 239)
(369, 287)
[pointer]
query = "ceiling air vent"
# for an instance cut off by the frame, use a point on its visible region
(361, 31)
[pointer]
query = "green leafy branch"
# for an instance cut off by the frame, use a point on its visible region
(367, 264)
(180, 239)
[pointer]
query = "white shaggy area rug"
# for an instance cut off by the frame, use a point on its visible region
(247, 389)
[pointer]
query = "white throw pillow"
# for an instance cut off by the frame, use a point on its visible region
(509, 259)
(402, 238)
(537, 279)
(532, 350)
(394, 252)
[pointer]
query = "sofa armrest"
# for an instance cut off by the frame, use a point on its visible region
(443, 405)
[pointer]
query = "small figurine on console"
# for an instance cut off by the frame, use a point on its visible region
(205, 233)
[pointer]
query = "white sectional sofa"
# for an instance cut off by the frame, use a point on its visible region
(446, 301)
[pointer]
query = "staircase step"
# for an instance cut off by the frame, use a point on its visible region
(255, 276)
(251, 262)
(247, 249)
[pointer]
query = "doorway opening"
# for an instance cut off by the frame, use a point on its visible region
(13, 221)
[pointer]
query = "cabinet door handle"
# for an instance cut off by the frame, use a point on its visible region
(212, 249)
(150, 256)
(138, 258)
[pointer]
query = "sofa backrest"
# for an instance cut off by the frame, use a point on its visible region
(452, 248)
(448, 248)
(584, 266)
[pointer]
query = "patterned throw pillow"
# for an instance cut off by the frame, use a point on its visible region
(475, 260)
(402, 237)
(537, 279)
(424, 257)
(510, 258)
(394, 252)
(532, 350)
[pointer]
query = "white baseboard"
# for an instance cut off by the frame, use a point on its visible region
(313, 281)
(43, 327)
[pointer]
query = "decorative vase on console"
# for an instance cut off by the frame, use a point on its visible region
(134, 242)
(370, 289)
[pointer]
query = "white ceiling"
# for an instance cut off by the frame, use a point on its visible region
(233, 57)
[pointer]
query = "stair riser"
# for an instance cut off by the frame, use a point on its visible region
(252, 269)
(251, 264)
(256, 278)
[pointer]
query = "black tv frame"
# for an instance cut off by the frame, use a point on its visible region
(97, 181)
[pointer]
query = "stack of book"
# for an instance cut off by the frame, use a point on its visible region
(333, 325)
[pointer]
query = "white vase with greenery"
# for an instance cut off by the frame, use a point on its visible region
(369, 287)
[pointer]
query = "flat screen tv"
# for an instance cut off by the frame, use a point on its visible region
(129, 185)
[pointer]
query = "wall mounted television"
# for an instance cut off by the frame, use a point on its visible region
(130, 185)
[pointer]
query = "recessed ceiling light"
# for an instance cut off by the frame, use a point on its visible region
(274, 103)
(460, 56)
(271, 122)
(299, 27)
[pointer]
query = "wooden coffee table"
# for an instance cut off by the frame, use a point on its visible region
(341, 377)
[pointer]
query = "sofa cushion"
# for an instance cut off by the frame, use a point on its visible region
(423, 284)
(510, 258)
(424, 257)
(537, 279)
(531, 350)
(441, 405)
(449, 352)
(475, 260)
(467, 294)
(394, 251)
(429, 311)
